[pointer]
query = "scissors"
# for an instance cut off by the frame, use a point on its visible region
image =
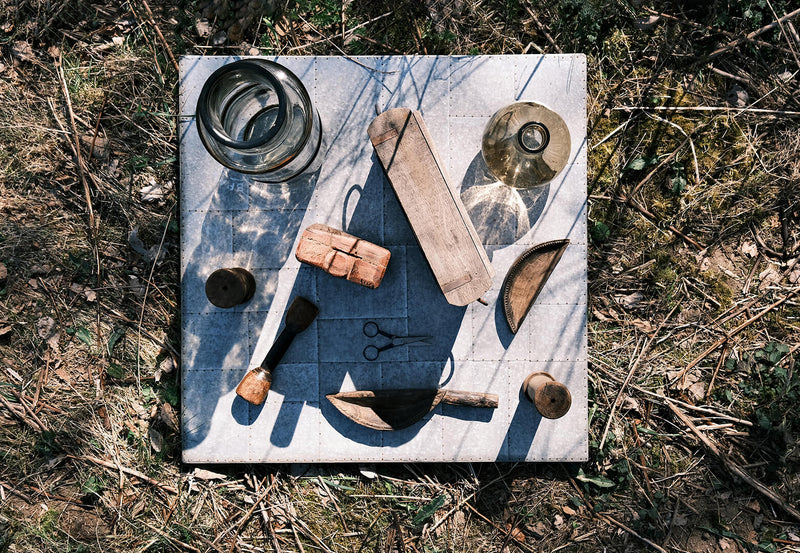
(371, 330)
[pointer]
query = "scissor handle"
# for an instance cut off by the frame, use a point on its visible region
(371, 353)
(371, 330)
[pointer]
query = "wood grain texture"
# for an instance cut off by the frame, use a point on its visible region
(438, 218)
(343, 255)
(526, 278)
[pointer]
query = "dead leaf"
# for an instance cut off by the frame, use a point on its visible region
(168, 417)
(219, 39)
(156, 439)
(515, 533)
(568, 510)
(698, 390)
(646, 23)
(91, 295)
(749, 248)
(629, 301)
(118, 40)
(724, 543)
(538, 529)
(644, 326)
(630, 404)
(153, 191)
(22, 51)
(203, 474)
(46, 329)
(3, 272)
(769, 276)
(203, 27)
(558, 521)
(679, 520)
(737, 96)
(99, 145)
(5, 332)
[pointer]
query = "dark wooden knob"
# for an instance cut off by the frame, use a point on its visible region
(552, 399)
(230, 287)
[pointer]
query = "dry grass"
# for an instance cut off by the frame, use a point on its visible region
(695, 254)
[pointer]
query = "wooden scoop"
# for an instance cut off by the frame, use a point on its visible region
(255, 385)
(396, 409)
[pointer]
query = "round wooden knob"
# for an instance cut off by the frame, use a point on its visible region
(230, 287)
(552, 399)
(255, 386)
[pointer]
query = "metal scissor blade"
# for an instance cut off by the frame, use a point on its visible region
(410, 340)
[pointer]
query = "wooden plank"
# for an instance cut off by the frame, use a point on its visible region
(438, 218)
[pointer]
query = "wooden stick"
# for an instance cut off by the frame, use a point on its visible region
(734, 468)
(760, 111)
(161, 37)
(645, 349)
(544, 31)
(607, 518)
(657, 168)
(711, 29)
(130, 472)
(733, 44)
(20, 414)
(731, 334)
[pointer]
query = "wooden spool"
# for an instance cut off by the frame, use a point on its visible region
(552, 399)
(227, 288)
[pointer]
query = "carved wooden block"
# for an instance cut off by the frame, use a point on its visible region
(343, 255)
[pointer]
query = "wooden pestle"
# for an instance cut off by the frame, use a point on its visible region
(255, 385)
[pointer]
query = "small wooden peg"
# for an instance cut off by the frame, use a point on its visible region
(552, 399)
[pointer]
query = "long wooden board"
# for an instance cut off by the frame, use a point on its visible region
(438, 218)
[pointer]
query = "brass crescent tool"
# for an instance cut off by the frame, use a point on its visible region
(525, 144)
(396, 409)
(526, 278)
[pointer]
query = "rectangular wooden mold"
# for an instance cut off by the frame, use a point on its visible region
(438, 218)
(343, 255)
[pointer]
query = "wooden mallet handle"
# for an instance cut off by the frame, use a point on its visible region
(552, 399)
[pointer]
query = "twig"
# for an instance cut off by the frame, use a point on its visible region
(28, 410)
(161, 37)
(345, 35)
(722, 358)
(20, 414)
(335, 502)
(144, 299)
(170, 539)
(731, 334)
(734, 468)
(658, 167)
(629, 202)
(126, 470)
(608, 518)
(265, 516)
(761, 111)
(733, 44)
(77, 150)
(712, 29)
(645, 349)
(543, 30)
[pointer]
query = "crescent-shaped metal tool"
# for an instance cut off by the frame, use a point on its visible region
(526, 278)
(396, 409)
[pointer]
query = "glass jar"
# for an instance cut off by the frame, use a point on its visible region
(525, 145)
(255, 116)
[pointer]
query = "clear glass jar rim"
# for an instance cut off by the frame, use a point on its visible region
(205, 114)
